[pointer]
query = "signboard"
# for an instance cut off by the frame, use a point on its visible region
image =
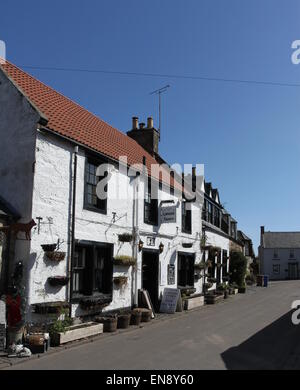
(151, 241)
(169, 300)
(168, 214)
(171, 274)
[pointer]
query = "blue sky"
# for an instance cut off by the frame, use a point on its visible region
(247, 135)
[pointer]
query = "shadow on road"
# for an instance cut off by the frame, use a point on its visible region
(277, 346)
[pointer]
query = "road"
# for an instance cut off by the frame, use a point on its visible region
(248, 331)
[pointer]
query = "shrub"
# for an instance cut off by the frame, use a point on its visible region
(237, 268)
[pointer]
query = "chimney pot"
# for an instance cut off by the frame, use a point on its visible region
(135, 122)
(142, 125)
(262, 230)
(150, 123)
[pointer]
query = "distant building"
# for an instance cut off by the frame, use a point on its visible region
(248, 247)
(279, 254)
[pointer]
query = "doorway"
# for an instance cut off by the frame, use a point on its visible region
(293, 271)
(150, 272)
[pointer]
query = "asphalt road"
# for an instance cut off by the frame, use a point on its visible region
(248, 331)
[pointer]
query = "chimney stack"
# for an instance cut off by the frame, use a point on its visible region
(262, 231)
(150, 123)
(147, 137)
(135, 122)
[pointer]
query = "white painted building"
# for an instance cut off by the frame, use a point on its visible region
(43, 137)
(279, 254)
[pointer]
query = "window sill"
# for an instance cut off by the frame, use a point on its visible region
(95, 210)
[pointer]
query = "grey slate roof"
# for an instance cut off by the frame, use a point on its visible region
(281, 240)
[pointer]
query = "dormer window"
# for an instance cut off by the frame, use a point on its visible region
(292, 253)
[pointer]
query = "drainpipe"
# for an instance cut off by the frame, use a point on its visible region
(70, 265)
(135, 233)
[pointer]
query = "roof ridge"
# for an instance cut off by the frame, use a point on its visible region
(59, 93)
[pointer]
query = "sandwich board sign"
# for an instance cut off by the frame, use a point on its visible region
(169, 300)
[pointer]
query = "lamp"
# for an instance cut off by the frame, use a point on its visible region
(161, 247)
(140, 245)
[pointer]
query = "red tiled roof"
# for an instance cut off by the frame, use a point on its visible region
(70, 120)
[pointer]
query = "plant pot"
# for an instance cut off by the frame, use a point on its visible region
(187, 245)
(146, 314)
(56, 256)
(76, 332)
(226, 293)
(242, 290)
(123, 321)
(136, 317)
(120, 281)
(58, 280)
(109, 323)
(49, 247)
(15, 335)
(125, 237)
(125, 261)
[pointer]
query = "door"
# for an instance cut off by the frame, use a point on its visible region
(150, 267)
(186, 270)
(293, 271)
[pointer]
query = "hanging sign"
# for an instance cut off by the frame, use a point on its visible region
(168, 214)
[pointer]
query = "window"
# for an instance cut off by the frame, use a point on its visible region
(209, 214)
(233, 229)
(186, 270)
(275, 254)
(292, 253)
(151, 205)
(224, 223)
(276, 269)
(186, 217)
(216, 216)
(91, 200)
(92, 269)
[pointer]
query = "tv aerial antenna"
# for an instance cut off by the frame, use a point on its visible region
(159, 92)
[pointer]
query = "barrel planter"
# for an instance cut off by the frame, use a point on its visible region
(146, 314)
(109, 323)
(136, 317)
(123, 320)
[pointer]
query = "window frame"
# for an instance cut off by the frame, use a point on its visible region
(152, 205)
(90, 160)
(184, 213)
(278, 269)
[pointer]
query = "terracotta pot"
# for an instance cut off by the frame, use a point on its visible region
(123, 321)
(136, 317)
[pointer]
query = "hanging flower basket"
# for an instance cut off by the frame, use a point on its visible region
(125, 237)
(56, 256)
(120, 281)
(187, 244)
(126, 261)
(208, 263)
(211, 280)
(94, 303)
(58, 280)
(214, 250)
(199, 266)
(49, 247)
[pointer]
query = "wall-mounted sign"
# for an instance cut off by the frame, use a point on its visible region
(171, 274)
(168, 214)
(151, 241)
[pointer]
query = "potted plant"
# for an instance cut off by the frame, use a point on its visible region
(49, 247)
(136, 317)
(199, 266)
(126, 261)
(109, 321)
(97, 303)
(125, 237)
(242, 289)
(55, 256)
(58, 280)
(123, 320)
(120, 281)
(187, 244)
(146, 314)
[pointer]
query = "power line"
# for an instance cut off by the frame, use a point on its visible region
(172, 76)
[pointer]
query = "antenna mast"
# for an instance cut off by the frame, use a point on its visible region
(159, 92)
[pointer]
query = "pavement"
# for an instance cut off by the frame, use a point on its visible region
(246, 331)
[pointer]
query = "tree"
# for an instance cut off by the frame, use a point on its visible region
(237, 268)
